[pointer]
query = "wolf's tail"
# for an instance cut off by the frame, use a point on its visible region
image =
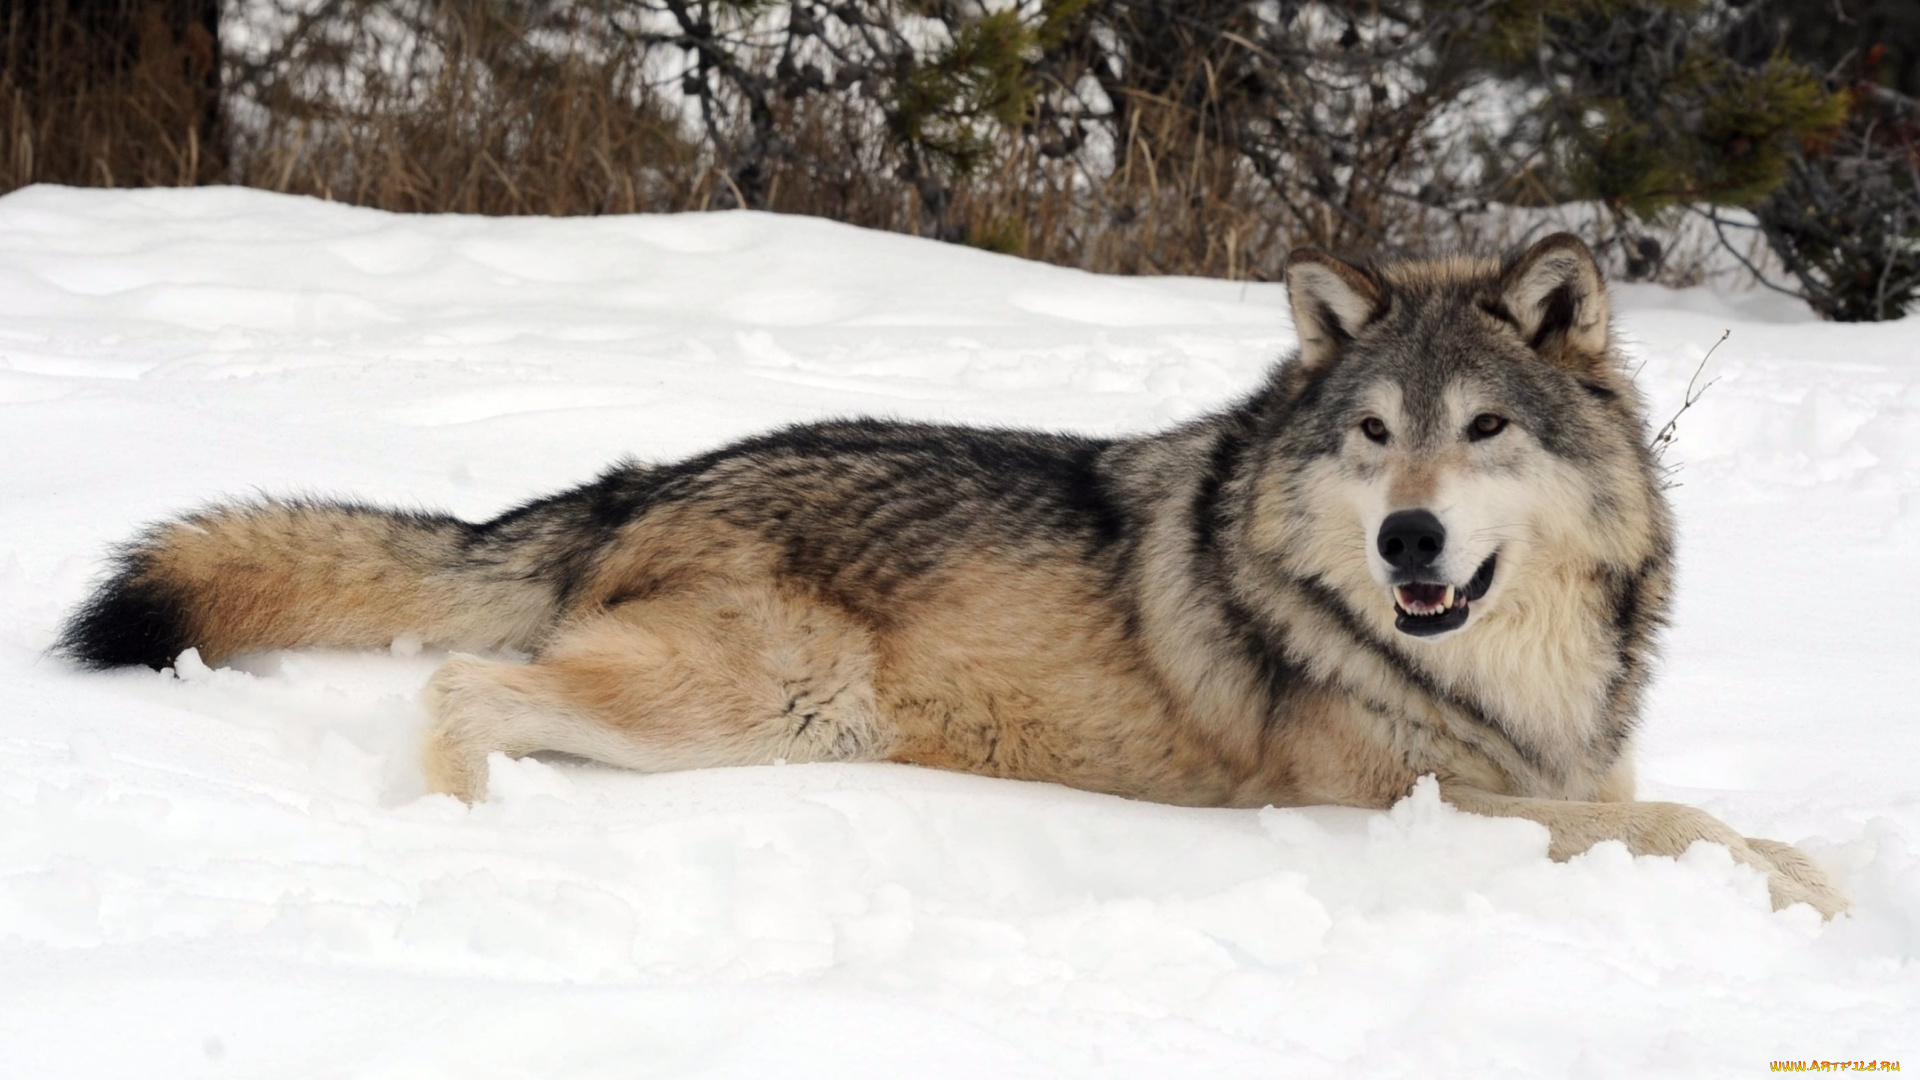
(283, 573)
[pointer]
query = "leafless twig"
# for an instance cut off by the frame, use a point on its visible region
(1669, 432)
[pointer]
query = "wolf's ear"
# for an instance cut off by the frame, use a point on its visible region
(1331, 301)
(1555, 297)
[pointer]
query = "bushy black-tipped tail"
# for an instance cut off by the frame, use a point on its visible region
(131, 619)
(285, 574)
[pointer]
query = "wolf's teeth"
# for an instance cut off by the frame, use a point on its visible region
(1449, 598)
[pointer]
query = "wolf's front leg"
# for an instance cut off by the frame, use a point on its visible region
(1795, 878)
(1659, 828)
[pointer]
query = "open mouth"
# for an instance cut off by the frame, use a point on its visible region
(1424, 608)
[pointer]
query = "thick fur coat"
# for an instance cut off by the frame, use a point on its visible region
(1433, 542)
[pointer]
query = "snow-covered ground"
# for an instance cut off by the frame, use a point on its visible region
(237, 872)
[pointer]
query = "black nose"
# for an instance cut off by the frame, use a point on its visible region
(1411, 539)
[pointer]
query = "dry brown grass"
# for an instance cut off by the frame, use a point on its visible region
(114, 93)
(470, 118)
(500, 108)
(478, 112)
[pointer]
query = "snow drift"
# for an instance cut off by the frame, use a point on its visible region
(237, 871)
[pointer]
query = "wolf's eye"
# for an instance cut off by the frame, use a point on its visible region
(1374, 428)
(1486, 426)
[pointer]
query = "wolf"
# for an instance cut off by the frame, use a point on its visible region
(1433, 542)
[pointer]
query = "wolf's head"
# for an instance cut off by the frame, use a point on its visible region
(1454, 430)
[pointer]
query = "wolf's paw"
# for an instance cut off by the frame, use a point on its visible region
(1793, 878)
(460, 696)
(1653, 828)
(452, 768)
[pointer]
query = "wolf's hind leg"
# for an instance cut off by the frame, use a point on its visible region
(1659, 828)
(725, 675)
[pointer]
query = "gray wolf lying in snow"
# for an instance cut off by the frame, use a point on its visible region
(1433, 542)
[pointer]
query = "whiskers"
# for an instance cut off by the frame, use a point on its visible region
(1516, 533)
